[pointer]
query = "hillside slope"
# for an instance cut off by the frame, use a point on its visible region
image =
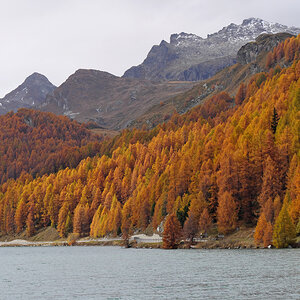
(228, 170)
(39, 143)
(110, 101)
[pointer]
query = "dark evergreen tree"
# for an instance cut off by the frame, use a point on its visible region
(275, 119)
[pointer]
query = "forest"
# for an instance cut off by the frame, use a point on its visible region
(41, 143)
(231, 162)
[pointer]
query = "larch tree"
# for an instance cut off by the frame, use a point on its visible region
(268, 210)
(284, 233)
(21, 215)
(263, 231)
(241, 94)
(270, 185)
(68, 224)
(30, 229)
(62, 216)
(226, 213)
(172, 232)
(190, 228)
(125, 227)
(268, 233)
(205, 221)
(81, 221)
(277, 206)
(259, 230)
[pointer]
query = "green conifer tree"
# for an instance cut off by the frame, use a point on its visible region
(274, 122)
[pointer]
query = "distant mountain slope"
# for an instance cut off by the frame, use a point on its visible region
(251, 60)
(111, 101)
(190, 57)
(30, 93)
(38, 143)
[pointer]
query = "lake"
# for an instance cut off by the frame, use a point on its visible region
(118, 273)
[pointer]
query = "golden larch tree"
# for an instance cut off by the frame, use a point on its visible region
(172, 232)
(226, 213)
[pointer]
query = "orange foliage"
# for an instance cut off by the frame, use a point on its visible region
(209, 163)
(227, 213)
(172, 232)
(40, 143)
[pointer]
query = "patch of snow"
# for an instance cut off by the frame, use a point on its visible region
(71, 114)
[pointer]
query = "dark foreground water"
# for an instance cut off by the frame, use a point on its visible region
(117, 273)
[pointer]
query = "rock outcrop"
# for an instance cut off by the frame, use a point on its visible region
(264, 43)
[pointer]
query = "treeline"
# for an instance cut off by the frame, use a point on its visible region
(229, 162)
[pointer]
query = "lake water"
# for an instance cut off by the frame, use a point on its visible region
(117, 273)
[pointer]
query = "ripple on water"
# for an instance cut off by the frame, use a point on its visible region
(116, 273)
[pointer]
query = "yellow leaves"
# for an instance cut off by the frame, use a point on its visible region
(263, 231)
(284, 229)
(98, 226)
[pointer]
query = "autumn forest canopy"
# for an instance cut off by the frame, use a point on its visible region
(232, 161)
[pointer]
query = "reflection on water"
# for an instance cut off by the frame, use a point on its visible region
(117, 273)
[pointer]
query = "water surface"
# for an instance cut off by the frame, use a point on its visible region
(117, 273)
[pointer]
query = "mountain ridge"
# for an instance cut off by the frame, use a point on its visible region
(110, 101)
(184, 56)
(251, 58)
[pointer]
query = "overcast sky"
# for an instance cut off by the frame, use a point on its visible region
(57, 37)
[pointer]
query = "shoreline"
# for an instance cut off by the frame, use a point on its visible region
(242, 239)
(120, 243)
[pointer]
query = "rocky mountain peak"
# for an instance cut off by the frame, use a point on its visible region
(249, 30)
(31, 93)
(191, 57)
(36, 79)
(178, 39)
(248, 21)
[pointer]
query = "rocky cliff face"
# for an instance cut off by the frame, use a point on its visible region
(264, 43)
(190, 57)
(31, 93)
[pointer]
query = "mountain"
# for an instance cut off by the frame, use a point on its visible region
(214, 175)
(251, 59)
(31, 93)
(110, 101)
(190, 57)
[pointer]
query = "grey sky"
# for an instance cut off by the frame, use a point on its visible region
(57, 37)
